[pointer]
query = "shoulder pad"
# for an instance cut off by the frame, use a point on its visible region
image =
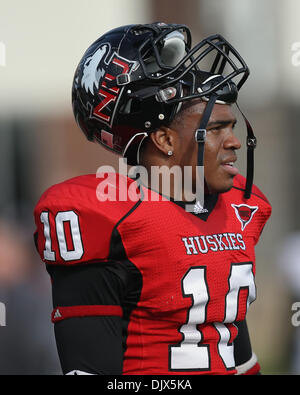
(75, 219)
(253, 213)
(240, 183)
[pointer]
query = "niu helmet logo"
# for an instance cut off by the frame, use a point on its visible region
(244, 213)
(99, 73)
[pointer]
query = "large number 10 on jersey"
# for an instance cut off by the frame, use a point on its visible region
(191, 353)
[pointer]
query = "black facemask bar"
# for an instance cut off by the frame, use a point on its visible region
(226, 55)
(200, 136)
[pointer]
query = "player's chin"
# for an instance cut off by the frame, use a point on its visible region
(223, 185)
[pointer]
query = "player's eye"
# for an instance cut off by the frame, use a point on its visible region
(216, 128)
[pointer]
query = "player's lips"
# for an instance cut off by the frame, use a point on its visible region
(228, 166)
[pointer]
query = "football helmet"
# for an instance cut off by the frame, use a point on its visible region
(135, 78)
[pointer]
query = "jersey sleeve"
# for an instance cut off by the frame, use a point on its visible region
(73, 237)
(253, 213)
(73, 226)
(263, 213)
(87, 313)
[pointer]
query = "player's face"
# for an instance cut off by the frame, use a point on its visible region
(220, 145)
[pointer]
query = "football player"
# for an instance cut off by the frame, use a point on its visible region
(142, 285)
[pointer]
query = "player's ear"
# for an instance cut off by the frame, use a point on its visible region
(164, 139)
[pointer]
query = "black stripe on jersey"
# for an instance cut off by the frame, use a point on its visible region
(128, 213)
(134, 280)
(35, 239)
(242, 344)
(252, 193)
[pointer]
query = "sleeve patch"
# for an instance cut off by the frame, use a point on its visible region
(62, 312)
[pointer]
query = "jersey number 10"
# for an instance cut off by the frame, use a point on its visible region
(191, 353)
(61, 218)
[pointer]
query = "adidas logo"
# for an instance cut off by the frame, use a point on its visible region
(198, 208)
(57, 314)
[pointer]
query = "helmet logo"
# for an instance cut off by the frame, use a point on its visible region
(110, 94)
(244, 213)
(99, 79)
(91, 72)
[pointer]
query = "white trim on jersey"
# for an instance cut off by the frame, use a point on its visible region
(245, 367)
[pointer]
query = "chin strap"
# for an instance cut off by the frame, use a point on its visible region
(200, 133)
(251, 145)
(200, 136)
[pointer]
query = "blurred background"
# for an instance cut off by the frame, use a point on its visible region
(41, 43)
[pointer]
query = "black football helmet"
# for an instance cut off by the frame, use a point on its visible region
(135, 78)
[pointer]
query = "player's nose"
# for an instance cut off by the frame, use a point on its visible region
(231, 141)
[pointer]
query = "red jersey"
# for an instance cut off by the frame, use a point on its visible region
(193, 274)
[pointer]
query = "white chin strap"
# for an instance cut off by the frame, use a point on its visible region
(139, 146)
